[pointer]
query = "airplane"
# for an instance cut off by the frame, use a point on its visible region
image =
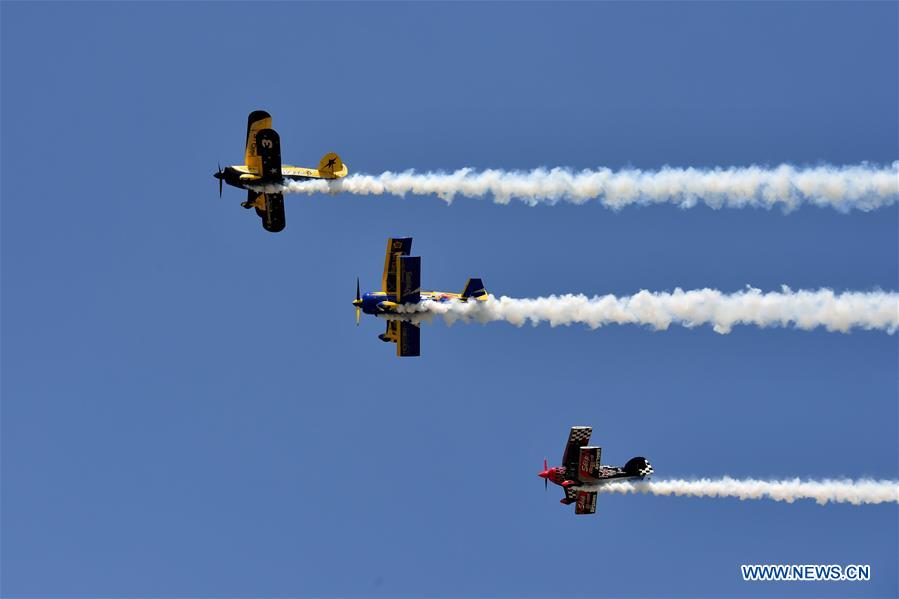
(262, 167)
(581, 473)
(401, 285)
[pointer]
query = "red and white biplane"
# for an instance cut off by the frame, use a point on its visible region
(581, 473)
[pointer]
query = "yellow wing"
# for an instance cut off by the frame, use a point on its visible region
(396, 246)
(258, 120)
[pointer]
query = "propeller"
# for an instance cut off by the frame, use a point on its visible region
(358, 302)
(545, 480)
(218, 175)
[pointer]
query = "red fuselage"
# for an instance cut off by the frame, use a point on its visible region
(557, 475)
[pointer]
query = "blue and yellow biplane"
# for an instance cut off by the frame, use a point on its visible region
(401, 286)
(262, 167)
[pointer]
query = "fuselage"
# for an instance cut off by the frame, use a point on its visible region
(608, 474)
(380, 303)
(241, 176)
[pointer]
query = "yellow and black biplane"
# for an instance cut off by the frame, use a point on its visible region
(262, 167)
(400, 291)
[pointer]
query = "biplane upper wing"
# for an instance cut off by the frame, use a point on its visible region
(586, 502)
(408, 279)
(268, 146)
(578, 437)
(588, 464)
(396, 246)
(257, 121)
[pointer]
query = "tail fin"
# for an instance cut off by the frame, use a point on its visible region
(638, 466)
(331, 166)
(474, 288)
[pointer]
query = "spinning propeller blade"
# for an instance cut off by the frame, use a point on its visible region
(545, 480)
(219, 177)
(358, 302)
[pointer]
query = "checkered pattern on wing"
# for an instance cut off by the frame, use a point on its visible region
(580, 435)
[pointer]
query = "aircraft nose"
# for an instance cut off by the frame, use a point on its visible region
(357, 302)
(544, 474)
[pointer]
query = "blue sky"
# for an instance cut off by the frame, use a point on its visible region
(189, 411)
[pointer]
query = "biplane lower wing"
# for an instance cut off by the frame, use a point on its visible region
(408, 342)
(585, 502)
(274, 219)
(269, 207)
(406, 335)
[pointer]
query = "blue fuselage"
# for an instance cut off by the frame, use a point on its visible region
(378, 302)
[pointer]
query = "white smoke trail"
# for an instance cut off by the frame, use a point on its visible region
(857, 187)
(856, 492)
(806, 310)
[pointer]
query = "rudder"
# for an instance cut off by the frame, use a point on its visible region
(474, 288)
(331, 166)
